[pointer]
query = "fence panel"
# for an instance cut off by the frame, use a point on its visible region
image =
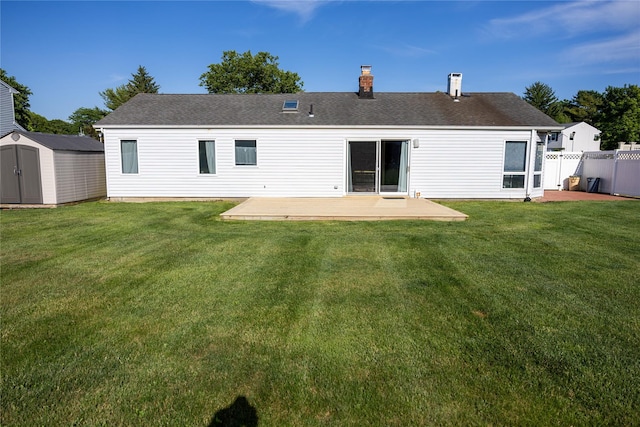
(558, 167)
(626, 179)
(598, 164)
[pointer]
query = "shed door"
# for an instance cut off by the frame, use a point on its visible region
(20, 175)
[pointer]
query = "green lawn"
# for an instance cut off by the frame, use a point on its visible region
(162, 314)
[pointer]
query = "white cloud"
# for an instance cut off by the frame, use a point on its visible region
(407, 50)
(303, 8)
(571, 19)
(115, 78)
(623, 48)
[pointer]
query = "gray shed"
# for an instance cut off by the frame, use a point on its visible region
(39, 168)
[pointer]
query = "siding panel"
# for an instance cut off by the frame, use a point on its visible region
(79, 176)
(305, 162)
(462, 164)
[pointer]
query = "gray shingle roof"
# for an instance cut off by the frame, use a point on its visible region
(330, 109)
(64, 142)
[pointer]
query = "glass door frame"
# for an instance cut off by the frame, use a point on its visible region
(379, 164)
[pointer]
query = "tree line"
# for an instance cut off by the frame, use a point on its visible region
(81, 120)
(236, 73)
(615, 112)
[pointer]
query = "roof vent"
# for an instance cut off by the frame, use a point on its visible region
(454, 88)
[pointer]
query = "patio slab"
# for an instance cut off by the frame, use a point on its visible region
(365, 208)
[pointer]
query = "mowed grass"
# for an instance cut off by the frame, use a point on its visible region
(162, 314)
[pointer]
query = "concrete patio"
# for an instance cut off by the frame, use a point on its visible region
(362, 208)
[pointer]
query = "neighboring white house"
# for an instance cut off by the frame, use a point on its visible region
(575, 137)
(629, 146)
(40, 168)
(7, 109)
(326, 144)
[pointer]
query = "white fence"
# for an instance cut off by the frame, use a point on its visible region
(558, 167)
(626, 173)
(618, 171)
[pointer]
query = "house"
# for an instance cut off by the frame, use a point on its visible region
(40, 168)
(575, 137)
(7, 109)
(326, 144)
(629, 146)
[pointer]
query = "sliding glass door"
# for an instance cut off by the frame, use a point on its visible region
(363, 159)
(377, 166)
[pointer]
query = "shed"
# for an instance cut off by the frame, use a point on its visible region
(39, 168)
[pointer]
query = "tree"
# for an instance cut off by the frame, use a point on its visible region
(42, 124)
(544, 99)
(619, 116)
(585, 106)
(84, 118)
(247, 73)
(141, 82)
(20, 100)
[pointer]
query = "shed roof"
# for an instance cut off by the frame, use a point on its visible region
(329, 109)
(63, 142)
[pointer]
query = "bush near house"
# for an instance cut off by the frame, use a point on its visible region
(162, 314)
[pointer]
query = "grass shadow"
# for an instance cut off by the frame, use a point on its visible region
(239, 414)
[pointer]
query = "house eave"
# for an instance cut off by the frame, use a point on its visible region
(540, 128)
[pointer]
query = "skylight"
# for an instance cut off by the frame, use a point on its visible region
(290, 105)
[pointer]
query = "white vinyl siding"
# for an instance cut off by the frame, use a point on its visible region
(295, 162)
(166, 160)
(461, 164)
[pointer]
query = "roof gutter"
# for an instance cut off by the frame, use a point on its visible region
(542, 128)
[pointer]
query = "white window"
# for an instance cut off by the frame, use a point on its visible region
(207, 156)
(537, 169)
(515, 161)
(246, 152)
(129, 154)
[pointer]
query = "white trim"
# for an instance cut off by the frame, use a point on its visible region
(378, 166)
(215, 157)
(374, 127)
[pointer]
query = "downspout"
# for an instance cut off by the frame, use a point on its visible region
(106, 167)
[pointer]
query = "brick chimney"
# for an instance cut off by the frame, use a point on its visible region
(365, 83)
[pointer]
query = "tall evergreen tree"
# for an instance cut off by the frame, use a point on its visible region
(141, 82)
(584, 106)
(542, 97)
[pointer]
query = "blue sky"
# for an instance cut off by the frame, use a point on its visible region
(67, 52)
